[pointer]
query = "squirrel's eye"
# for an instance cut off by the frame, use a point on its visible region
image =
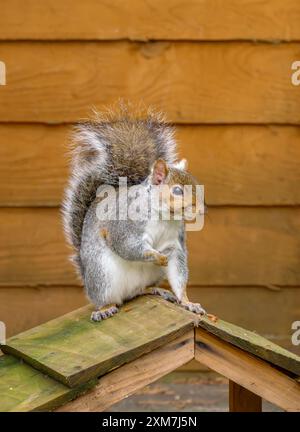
(177, 190)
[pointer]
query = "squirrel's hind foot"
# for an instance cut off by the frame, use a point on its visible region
(165, 294)
(194, 307)
(104, 313)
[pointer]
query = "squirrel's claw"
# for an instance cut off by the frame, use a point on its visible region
(162, 260)
(165, 294)
(156, 258)
(194, 307)
(104, 313)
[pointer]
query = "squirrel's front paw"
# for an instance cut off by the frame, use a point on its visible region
(194, 307)
(156, 258)
(162, 260)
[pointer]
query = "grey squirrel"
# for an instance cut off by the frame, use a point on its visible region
(120, 259)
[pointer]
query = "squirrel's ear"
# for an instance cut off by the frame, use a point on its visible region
(182, 164)
(159, 171)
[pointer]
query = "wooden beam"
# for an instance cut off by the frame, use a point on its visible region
(96, 74)
(243, 400)
(34, 166)
(74, 350)
(168, 19)
(254, 374)
(253, 343)
(33, 306)
(23, 388)
(133, 376)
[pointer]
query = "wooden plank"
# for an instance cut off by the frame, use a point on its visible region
(205, 20)
(74, 350)
(259, 309)
(244, 165)
(254, 374)
(40, 255)
(237, 246)
(243, 400)
(182, 79)
(127, 379)
(34, 164)
(246, 246)
(23, 388)
(22, 308)
(229, 160)
(253, 343)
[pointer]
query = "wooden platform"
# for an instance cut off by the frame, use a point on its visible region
(73, 349)
(73, 364)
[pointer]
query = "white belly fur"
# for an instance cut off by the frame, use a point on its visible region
(129, 278)
(163, 234)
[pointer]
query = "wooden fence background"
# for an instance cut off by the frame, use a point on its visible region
(221, 69)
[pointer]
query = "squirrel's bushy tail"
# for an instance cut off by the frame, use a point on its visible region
(111, 145)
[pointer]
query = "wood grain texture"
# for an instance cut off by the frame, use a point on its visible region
(22, 308)
(253, 343)
(33, 243)
(250, 246)
(254, 374)
(243, 400)
(192, 83)
(142, 20)
(269, 313)
(244, 165)
(33, 164)
(23, 388)
(238, 164)
(258, 309)
(75, 350)
(238, 246)
(129, 378)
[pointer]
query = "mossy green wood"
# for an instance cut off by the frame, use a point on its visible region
(253, 343)
(73, 349)
(23, 388)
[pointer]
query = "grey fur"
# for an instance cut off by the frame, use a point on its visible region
(126, 241)
(105, 149)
